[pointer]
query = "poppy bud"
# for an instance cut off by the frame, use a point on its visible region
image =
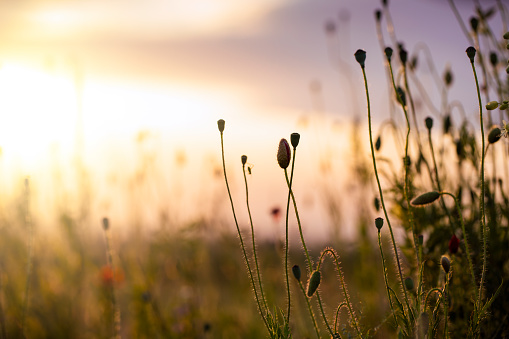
(283, 154)
(454, 244)
(296, 272)
(425, 198)
(446, 264)
(314, 281)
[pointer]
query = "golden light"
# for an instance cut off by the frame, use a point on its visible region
(37, 110)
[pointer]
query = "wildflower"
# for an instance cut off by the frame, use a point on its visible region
(504, 129)
(454, 244)
(111, 276)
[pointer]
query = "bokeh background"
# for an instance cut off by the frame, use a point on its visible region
(109, 109)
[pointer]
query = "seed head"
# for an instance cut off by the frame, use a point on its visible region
(448, 77)
(379, 222)
(493, 59)
(106, 224)
(388, 53)
(425, 199)
(294, 139)
(283, 154)
(378, 15)
(314, 281)
(243, 159)
(490, 106)
(220, 125)
(494, 135)
(474, 23)
(403, 55)
(471, 53)
(330, 27)
(506, 35)
(400, 95)
(454, 244)
(378, 143)
(429, 123)
(376, 202)
(504, 130)
(446, 264)
(296, 272)
(360, 56)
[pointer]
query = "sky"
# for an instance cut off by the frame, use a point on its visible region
(95, 78)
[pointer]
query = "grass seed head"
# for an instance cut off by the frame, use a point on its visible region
(283, 154)
(490, 106)
(425, 199)
(494, 135)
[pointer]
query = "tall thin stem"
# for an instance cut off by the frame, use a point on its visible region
(253, 239)
(396, 255)
(240, 237)
(484, 231)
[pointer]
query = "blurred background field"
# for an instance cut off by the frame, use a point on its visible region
(110, 110)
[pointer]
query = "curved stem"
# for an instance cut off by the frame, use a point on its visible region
(333, 254)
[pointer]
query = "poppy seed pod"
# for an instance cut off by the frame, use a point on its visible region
(360, 56)
(403, 55)
(471, 53)
(220, 125)
(388, 53)
(429, 123)
(243, 159)
(294, 139)
(283, 154)
(379, 222)
(378, 15)
(474, 23)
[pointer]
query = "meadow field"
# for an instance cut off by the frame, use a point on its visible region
(388, 221)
